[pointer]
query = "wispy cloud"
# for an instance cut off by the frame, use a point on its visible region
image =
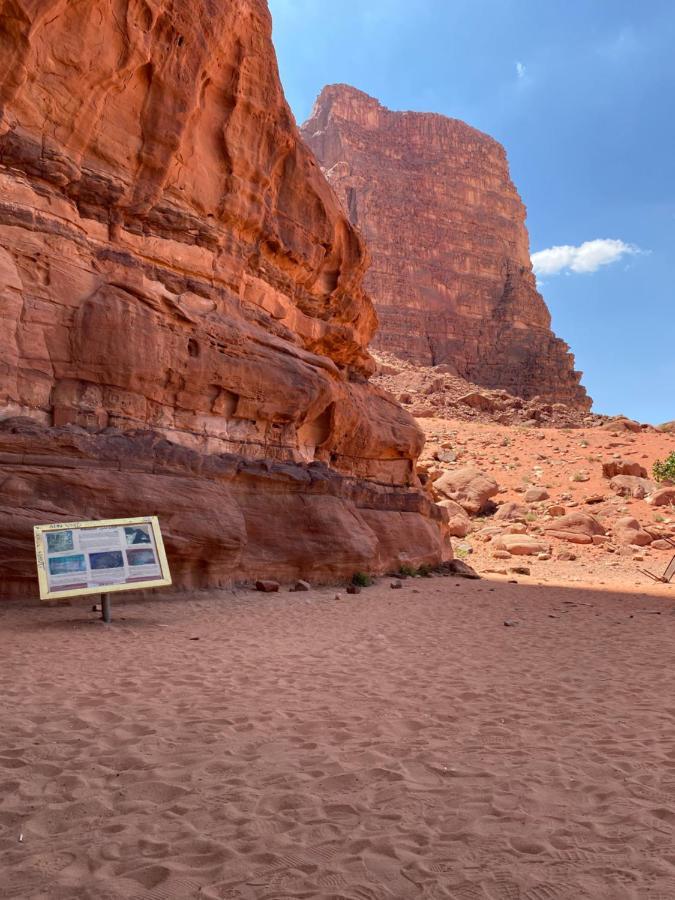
(521, 70)
(587, 257)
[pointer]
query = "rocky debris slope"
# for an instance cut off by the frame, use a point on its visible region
(173, 261)
(434, 391)
(575, 501)
(451, 275)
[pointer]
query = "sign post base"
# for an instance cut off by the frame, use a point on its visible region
(106, 609)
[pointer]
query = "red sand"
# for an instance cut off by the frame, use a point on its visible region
(395, 744)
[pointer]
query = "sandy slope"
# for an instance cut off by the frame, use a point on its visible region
(396, 744)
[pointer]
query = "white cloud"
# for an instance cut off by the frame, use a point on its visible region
(588, 257)
(521, 70)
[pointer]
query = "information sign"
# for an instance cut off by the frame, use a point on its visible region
(76, 558)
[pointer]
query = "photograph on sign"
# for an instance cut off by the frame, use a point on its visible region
(100, 557)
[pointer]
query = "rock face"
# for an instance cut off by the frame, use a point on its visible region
(175, 270)
(451, 275)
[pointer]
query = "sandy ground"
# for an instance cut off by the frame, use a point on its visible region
(395, 744)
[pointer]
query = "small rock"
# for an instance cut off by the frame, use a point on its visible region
(520, 570)
(302, 586)
(661, 545)
(510, 623)
(396, 585)
(566, 556)
(267, 587)
(536, 495)
(353, 589)
(462, 569)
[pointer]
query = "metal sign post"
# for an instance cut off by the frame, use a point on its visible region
(106, 609)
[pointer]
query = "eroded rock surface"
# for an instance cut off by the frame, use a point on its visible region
(451, 276)
(173, 261)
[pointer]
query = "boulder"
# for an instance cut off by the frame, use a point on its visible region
(519, 545)
(536, 495)
(661, 544)
(459, 522)
(615, 467)
(632, 486)
(556, 511)
(511, 512)
(621, 423)
(478, 401)
(663, 497)
(628, 531)
(267, 587)
(469, 487)
(461, 569)
(575, 527)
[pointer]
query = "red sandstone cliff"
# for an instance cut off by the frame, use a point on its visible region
(451, 275)
(184, 327)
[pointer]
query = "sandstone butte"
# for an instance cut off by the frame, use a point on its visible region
(184, 325)
(451, 276)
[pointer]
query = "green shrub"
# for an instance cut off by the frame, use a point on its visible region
(406, 571)
(361, 579)
(664, 470)
(424, 571)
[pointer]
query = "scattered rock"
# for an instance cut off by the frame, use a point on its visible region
(660, 544)
(566, 556)
(423, 412)
(267, 587)
(628, 531)
(461, 569)
(469, 487)
(511, 512)
(302, 586)
(556, 511)
(632, 486)
(354, 589)
(622, 424)
(518, 545)
(536, 495)
(459, 522)
(520, 570)
(478, 401)
(663, 497)
(615, 467)
(396, 585)
(576, 527)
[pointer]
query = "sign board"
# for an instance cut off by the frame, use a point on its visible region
(77, 558)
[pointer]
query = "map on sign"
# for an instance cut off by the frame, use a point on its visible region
(93, 557)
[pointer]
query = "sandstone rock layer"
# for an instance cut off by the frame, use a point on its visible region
(174, 265)
(451, 275)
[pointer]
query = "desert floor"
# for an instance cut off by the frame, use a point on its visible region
(395, 744)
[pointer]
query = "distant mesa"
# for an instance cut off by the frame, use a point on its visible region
(451, 276)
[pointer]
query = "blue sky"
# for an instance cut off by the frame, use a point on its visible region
(580, 92)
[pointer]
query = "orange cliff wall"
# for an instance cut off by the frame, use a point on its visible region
(184, 324)
(451, 276)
